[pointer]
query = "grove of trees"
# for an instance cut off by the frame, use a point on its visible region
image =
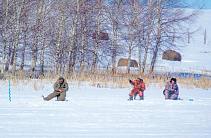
(65, 34)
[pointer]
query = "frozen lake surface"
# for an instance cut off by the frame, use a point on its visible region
(104, 112)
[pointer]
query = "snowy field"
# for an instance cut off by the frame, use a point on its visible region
(104, 112)
(196, 56)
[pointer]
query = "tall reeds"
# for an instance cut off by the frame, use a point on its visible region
(103, 78)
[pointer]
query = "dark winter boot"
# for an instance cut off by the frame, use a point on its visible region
(130, 97)
(142, 98)
(43, 98)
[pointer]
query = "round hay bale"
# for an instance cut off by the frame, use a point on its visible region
(1, 76)
(171, 55)
(102, 36)
(124, 62)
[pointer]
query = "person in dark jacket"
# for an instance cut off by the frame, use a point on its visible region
(60, 88)
(171, 90)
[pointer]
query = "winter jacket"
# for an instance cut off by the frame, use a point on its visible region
(170, 86)
(138, 85)
(63, 86)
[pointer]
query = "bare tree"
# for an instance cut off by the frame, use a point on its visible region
(150, 24)
(59, 38)
(5, 35)
(97, 37)
(170, 17)
(83, 26)
(35, 38)
(11, 41)
(131, 34)
(114, 15)
(65, 31)
(43, 11)
(25, 31)
(73, 41)
(19, 5)
(158, 37)
(139, 37)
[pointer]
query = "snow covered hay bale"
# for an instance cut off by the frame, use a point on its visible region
(124, 62)
(171, 55)
(102, 36)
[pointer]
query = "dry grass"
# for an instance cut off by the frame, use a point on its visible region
(105, 79)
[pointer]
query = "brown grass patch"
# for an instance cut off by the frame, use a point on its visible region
(104, 79)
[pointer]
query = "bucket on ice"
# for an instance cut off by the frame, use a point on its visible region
(191, 99)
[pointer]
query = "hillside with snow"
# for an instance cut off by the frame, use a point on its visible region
(196, 56)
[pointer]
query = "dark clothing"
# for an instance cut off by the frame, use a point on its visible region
(60, 95)
(173, 95)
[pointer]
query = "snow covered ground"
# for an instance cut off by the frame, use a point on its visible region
(196, 56)
(103, 112)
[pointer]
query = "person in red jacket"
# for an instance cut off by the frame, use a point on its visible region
(139, 87)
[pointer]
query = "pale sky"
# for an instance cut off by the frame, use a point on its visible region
(199, 3)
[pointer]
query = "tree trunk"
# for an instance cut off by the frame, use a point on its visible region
(83, 36)
(8, 56)
(96, 40)
(57, 64)
(41, 74)
(148, 36)
(115, 31)
(139, 40)
(131, 36)
(75, 49)
(13, 37)
(73, 41)
(24, 47)
(114, 47)
(8, 63)
(5, 38)
(188, 35)
(173, 36)
(25, 24)
(17, 35)
(205, 36)
(158, 37)
(35, 40)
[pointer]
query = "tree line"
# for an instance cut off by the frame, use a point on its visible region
(63, 33)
